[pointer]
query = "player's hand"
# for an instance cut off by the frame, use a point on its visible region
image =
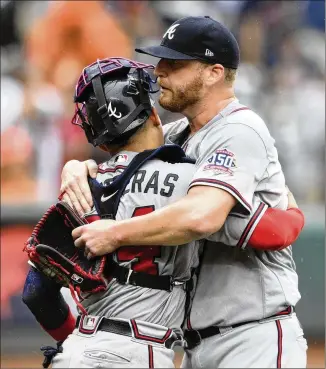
(97, 238)
(291, 200)
(74, 185)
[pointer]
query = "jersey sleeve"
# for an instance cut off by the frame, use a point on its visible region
(234, 159)
(237, 231)
(266, 229)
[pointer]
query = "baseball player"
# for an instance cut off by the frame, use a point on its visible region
(243, 309)
(137, 320)
(127, 324)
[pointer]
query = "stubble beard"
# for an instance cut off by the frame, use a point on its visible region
(180, 99)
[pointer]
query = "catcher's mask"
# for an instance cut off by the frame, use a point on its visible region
(112, 99)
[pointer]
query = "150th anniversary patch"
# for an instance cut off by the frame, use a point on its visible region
(222, 160)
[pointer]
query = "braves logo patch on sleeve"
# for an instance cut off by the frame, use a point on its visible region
(222, 160)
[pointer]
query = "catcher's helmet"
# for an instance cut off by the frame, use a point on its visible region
(112, 99)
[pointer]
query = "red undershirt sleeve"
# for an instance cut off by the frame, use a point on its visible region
(277, 229)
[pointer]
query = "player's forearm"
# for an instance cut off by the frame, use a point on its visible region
(194, 217)
(43, 298)
(171, 226)
(62, 331)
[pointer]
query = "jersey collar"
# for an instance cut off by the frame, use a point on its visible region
(180, 137)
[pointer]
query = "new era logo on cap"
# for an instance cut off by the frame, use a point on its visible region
(197, 38)
(209, 53)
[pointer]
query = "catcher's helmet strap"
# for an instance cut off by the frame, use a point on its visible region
(103, 107)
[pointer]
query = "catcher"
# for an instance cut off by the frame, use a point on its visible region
(133, 302)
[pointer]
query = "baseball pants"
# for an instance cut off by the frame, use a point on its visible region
(275, 343)
(90, 347)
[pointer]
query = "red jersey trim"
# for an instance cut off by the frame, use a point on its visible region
(250, 226)
(279, 344)
(223, 185)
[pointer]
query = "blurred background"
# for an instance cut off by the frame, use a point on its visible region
(45, 45)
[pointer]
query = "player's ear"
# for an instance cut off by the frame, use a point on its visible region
(155, 117)
(214, 73)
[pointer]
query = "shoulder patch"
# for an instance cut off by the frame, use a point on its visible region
(222, 160)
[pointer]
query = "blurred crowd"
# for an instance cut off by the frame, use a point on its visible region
(45, 45)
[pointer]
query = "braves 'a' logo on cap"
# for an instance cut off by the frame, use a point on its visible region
(170, 31)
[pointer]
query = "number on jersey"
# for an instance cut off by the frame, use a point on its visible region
(145, 255)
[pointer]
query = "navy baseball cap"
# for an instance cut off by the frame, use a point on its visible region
(197, 38)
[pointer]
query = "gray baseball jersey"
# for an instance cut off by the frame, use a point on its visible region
(236, 153)
(153, 186)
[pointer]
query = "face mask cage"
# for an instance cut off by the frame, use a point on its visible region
(80, 119)
(80, 116)
(104, 67)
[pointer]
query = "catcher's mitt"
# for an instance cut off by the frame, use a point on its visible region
(51, 249)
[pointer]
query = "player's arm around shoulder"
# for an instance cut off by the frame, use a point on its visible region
(193, 217)
(224, 180)
(220, 183)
